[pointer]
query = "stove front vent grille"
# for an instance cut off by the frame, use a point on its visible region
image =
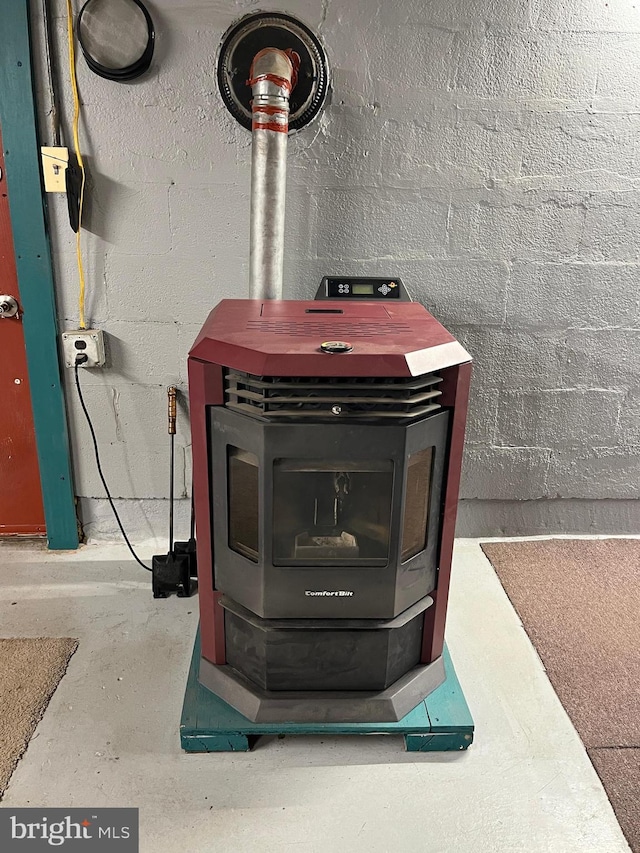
(276, 398)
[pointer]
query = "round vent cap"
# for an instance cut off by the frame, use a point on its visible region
(336, 346)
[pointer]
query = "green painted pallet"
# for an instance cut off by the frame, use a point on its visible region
(442, 722)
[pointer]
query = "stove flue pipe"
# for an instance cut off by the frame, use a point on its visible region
(272, 77)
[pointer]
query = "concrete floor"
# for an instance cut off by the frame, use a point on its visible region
(110, 734)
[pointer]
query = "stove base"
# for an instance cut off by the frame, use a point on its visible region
(322, 655)
(441, 722)
(319, 706)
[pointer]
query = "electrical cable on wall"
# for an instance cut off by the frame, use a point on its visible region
(79, 360)
(71, 174)
(85, 347)
(53, 96)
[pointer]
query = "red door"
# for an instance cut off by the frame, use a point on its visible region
(21, 511)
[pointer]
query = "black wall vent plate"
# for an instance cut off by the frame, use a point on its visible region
(272, 29)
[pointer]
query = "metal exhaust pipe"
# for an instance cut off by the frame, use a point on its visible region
(272, 77)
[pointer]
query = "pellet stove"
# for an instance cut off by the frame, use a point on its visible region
(327, 443)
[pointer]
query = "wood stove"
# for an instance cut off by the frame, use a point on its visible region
(327, 442)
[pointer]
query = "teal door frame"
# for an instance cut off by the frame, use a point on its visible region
(35, 276)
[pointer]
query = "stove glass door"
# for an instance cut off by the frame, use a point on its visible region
(243, 484)
(416, 503)
(331, 512)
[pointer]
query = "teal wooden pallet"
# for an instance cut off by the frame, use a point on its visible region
(442, 722)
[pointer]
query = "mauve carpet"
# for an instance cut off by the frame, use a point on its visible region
(579, 602)
(30, 671)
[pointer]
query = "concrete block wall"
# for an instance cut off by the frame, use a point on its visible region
(486, 152)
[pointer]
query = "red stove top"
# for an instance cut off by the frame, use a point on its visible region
(283, 338)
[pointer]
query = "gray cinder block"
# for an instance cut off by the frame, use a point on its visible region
(505, 473)
(557, 418)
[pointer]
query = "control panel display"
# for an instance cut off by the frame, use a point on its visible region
(374, 288)
(362, 287)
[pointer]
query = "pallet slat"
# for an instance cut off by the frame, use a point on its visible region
(440, 723)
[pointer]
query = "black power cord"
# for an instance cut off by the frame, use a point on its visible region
(79, 361)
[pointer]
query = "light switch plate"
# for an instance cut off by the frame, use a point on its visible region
(54, 167)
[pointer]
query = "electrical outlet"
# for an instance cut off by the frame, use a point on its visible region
(54, 167)
(89, 342)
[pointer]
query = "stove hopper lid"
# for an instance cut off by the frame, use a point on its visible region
(284, 338)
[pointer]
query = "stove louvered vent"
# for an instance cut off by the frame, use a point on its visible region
(354, 398)
(361, 328)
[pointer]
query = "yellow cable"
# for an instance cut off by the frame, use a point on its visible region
(76, 144)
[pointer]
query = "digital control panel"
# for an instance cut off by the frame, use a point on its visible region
(349, 287)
